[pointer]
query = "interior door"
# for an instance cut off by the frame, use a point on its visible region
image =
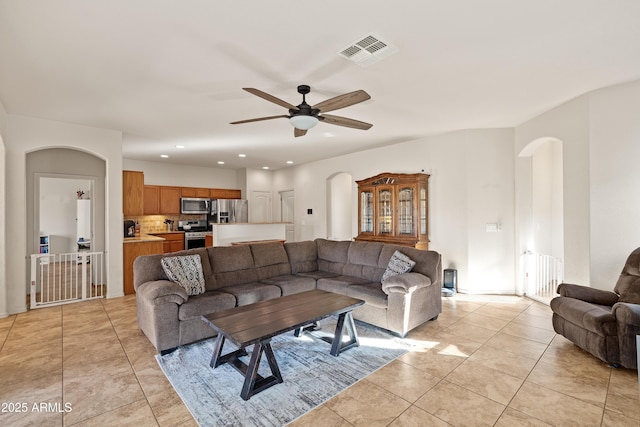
(260, 206)
(287, 214)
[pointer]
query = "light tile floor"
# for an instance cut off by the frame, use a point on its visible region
(487, 360)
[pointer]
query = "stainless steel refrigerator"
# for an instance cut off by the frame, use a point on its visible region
(229, 210)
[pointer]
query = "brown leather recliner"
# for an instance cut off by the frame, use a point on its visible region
(601, 322)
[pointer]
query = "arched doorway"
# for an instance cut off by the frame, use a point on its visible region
(542, 221)
(65, 193)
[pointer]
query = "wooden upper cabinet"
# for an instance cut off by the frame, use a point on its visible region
(151, 200)
(132, 193)
(393, 208)
(195, 192)
(170, 200)
(223, 193)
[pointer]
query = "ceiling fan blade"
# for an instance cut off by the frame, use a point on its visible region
(342, 101)
(299, 132)
(270, 98)
(343, 121)
(259, 119)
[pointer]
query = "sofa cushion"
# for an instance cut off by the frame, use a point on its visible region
(318, 274)
(398, 264)
(186, 271)
(371, 293)
(303, 256)
(290, 284)
(270, 259)
(206, 303)
(363, 260)
(248, 293)
(339, 284)
(232, 265)
(332, 255)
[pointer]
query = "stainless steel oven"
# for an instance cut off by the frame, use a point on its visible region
(195, 233)
(194, 239)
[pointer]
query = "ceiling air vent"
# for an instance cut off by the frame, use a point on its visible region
(368, 50)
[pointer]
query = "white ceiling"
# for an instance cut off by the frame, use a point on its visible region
(171, 72)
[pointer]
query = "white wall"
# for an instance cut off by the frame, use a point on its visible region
(569, 124)
(547, 199)
(160, 173)
(600, 132)
(3, 240)
(471, 184)
(28, 134)
(58, 208)
(614, 136)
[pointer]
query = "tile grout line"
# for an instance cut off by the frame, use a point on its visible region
(146, 398)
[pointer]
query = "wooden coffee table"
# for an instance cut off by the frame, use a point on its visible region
(255, 324)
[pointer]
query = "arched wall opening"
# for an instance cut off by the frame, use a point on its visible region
(66, 166)
(339, 206)
(541, 223)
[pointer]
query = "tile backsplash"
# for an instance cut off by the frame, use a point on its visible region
(155, 223)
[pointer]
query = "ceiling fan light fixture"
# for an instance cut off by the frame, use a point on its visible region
(303, 122)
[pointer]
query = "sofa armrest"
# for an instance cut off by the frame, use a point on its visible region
(405, 283)
(626, 313)
(628, 318)
(162, 291)
(585, 293)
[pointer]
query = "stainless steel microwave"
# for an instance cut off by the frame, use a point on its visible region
(193, 205)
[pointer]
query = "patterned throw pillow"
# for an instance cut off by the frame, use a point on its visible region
(398, 264)
(185, 271)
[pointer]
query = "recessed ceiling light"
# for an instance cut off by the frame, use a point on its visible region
(164, 156)
(221, 162)
(289, 162)
(242, 155)
(179, 146)
(265, 167)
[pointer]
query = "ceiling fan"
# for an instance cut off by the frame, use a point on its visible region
(304, 116)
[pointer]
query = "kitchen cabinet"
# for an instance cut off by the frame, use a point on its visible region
(393, 208)
(195, 192)
(223, 193)
(208, 240)
(173, 242)
(169, 200)
(132, 193)
(159, 199)
(151, 199)
(133, 249)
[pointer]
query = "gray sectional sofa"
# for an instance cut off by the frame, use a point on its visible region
(240, 275)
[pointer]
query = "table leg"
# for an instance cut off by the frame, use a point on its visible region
(344, 320)
(254, 382)
(217, 351)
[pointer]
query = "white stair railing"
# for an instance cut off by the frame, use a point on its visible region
(64, 278)
(543, 274)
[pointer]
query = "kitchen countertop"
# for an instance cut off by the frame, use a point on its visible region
(155, 233)
(143, 238)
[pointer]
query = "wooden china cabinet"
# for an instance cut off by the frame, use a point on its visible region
(393, 208)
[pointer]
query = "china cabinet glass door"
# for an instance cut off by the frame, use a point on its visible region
(405, 211)
(366, 211)
(423, 210)
(385, 211)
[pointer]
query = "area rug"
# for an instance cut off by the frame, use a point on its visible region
(311, 376)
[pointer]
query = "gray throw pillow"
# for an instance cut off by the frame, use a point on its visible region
(186, 271)
(398, 264)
